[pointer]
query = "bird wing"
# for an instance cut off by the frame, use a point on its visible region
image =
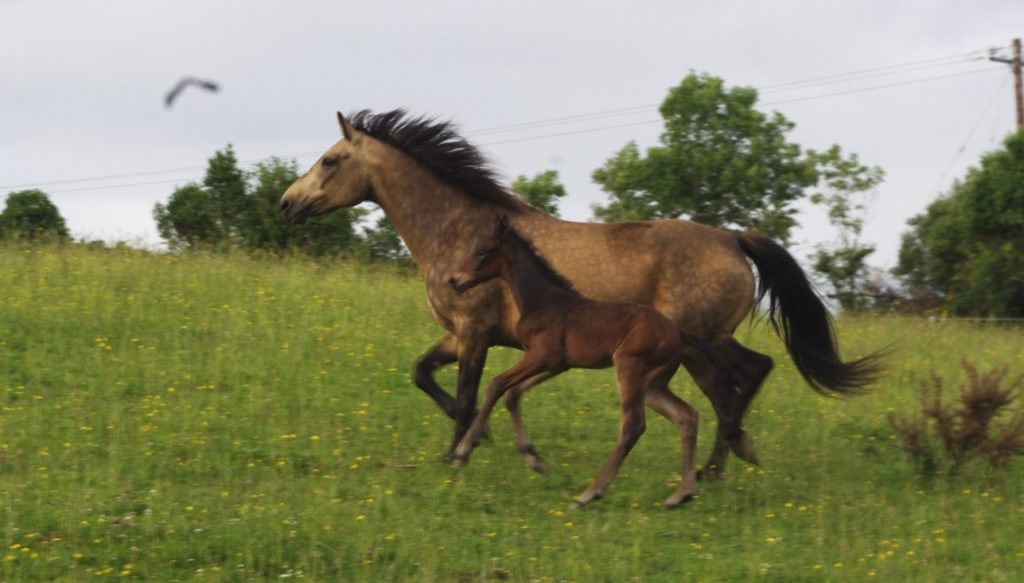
(185, 82)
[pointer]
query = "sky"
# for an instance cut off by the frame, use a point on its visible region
(538, 85)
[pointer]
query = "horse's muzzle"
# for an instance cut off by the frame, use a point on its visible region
(295, 212)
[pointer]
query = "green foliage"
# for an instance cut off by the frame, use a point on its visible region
(233, 208)
(967, 245)
(189, 219)
(541, 192)
(29, 215)
(226, 417)
(383, 242)
(265, 227)
(226, 187)
(843, 187)
(720, 162)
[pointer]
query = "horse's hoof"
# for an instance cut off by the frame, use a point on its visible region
(743, 447)
(459, 461)
(576, 505)
(710, 474)
(674, 502)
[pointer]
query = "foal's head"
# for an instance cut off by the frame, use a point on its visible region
(485, 262)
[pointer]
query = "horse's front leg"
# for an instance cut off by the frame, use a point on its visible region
(445, 351)
(472, 357)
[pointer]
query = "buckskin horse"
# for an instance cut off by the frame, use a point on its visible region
(441, 195)
(560, 329)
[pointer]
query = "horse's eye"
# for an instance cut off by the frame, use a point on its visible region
(329, 161)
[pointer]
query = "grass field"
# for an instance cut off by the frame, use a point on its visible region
(224, 418)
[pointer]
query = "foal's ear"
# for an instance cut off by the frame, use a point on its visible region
(347, 131)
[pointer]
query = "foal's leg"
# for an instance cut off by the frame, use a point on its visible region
(523, 444)
(527, 368)
(684, 417)
(631, 427)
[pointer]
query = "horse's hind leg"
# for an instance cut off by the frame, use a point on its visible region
(631, 427)
(750, 369)
(523, 444)
(445, 351)
(719, 389)
(684, 417)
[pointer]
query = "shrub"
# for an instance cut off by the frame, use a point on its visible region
(965, 428)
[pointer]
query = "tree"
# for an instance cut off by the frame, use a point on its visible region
(844, 185)
(264, 225)
(210, 214)
(720, 162)
(188, 220)
(234, 208)
(29, 214)
(226, 186)
(541, 192)
(968, 246)
(383, 242)
(329, 234)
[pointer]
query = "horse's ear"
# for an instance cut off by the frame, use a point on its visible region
(347, 131)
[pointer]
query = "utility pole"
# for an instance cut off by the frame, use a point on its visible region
(1018, 86)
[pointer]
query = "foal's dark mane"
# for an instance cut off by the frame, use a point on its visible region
(545, 269)
(438, 146)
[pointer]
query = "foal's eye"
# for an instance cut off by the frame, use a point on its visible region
(329, 161)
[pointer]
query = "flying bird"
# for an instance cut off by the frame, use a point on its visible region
(201, 83)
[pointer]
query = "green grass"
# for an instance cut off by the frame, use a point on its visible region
(224, 418)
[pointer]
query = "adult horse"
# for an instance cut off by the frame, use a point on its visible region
(441, 195)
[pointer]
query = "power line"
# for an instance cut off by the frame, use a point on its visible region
(885, 86)
(970, 134)
(860, 75)
(883, 71)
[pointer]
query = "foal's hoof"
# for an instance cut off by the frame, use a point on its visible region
(538, 465)
(533, 460)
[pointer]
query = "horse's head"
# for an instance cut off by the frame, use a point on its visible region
(338, 179)
(484, 263)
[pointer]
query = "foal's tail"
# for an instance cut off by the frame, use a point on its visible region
(801, 319)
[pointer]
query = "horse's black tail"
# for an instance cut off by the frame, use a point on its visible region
(801, 319)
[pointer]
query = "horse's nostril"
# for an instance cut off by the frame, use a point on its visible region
(285, 204)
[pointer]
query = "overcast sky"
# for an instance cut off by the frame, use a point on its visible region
(82, 86)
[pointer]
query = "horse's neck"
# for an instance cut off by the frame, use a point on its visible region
(532, 286)
(434, 219)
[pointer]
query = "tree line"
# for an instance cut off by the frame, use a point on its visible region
(718, 161)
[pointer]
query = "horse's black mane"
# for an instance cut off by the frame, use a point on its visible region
(438, 146)
(545, 269)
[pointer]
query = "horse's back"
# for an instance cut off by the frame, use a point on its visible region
(694, 274)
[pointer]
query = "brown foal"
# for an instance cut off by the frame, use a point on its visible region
(560, 329)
